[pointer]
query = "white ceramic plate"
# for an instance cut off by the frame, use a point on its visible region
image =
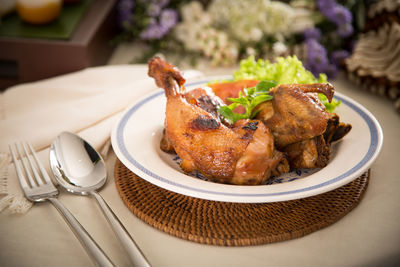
(136, 138)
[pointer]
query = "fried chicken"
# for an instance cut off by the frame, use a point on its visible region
(241, 154)
(315, 152)
(293, 130)
(294, 114)
(309, 153)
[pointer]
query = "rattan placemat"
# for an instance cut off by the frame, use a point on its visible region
(234, 224)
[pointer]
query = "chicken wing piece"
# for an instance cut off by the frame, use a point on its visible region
(309, 153)
(243, 154)
(336, 129)
(315, 152)
(295, 113)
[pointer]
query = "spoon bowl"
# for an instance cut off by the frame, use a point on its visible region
(78, 168)
(76, 164)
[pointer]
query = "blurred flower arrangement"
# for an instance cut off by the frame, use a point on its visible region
(147, 20)
(319, 32)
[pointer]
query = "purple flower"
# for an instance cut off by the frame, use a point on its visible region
(317, 59)
(312, 33)
(338, 56)
(341, 15)
(154, 31)
(325, 5)
(124, 10)
(345, 30)
(168, 18)
(338, 14)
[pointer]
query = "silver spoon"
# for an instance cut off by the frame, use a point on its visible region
(80, 169)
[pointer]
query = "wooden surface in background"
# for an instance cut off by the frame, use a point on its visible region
(24, 60)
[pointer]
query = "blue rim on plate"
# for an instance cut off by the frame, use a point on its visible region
(376, 137)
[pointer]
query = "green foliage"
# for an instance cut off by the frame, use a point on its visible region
(284, 71)
(249, 99)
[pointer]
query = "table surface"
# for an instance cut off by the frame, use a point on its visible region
(367, 236)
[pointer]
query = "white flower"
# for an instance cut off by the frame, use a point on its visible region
(279, 48)
(192, 11)
(256, 34)
(301, 20)
(250, 51)
(278, 18)
(180, 32)
(233, 52)
(222, 39)
(228, 25)
(205, 19)
(248, 20)
(211, 44)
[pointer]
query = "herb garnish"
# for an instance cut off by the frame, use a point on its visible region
(249, 99)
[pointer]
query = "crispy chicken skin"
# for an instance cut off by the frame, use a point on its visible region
(166, 75)
(335, 129)
(260, 160)
(309, 153)
(242, 154)
(294, 114)
(201, 97)
(315, 152)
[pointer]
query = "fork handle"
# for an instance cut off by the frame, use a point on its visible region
(135, 254)
(87, 241)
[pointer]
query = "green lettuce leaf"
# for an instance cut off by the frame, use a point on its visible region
(283, 71)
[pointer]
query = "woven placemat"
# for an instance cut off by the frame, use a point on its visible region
(234, 224)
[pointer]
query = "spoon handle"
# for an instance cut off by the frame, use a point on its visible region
(87, 241)
(136, 256)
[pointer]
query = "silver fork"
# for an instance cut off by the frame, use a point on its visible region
(38, 188)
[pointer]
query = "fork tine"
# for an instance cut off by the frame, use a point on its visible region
(31, 179)
(43, 171)
(17, 165)
(33, 168)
